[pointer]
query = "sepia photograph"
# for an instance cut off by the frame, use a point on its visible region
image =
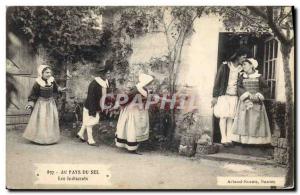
(150, 98)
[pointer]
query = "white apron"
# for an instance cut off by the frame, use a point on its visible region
(132, 127)
(43, 125)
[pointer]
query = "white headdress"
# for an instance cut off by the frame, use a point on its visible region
(41, 68)
(253, 62)
(39, 80)
(144, 80)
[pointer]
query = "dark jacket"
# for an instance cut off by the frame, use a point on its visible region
(92, 102)
(45, 92)
(221, 80)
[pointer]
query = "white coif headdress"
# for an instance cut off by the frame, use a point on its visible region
(144, 80)
(253, 62)
(39, 80)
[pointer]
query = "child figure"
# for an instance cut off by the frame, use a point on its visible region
(43, 126)
(251, 124)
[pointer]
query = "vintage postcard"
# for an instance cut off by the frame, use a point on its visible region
(150, 97)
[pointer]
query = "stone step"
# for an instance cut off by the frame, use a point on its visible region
(236, 158)
(252, 150)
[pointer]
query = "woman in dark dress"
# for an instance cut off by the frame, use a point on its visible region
(43, 126)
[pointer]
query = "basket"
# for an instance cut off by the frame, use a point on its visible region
(187, 150)
(189, 139)
(188, 144)
(206, 149)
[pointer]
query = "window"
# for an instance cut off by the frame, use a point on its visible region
(270, 61)
(254, 51)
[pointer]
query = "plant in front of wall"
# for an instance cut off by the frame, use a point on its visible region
(188, 121)
(190, 133)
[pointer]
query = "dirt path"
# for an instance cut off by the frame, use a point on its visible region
(152, 170)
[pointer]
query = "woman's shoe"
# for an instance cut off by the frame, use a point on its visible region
(81, 139)
(134, 152)
(91, 144)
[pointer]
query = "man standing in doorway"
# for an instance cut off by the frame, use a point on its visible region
(225, 97)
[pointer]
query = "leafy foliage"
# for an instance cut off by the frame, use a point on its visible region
(277, 20)
(239, 19)
(276, 113)
(68, 34)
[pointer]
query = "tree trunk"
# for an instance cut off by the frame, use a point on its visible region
(172, 126)
(173, 78)
(62, 82)
(289, 115)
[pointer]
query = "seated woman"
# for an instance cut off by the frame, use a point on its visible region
(133, 122)
(251, 124)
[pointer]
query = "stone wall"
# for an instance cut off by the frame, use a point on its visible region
(198, 62)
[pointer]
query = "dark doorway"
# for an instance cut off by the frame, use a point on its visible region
(228, 44)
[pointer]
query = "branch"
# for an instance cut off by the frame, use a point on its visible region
(277, 31)
(281, 13)
(176, 69)
(170, 23)
(196, 16)
(166, 32)
(201, 12)
(176, 43)
(284, 17)
(258, 12)
(270, 13)
(270, 21)
(182, 34)
(192, 21)
(286, 27)
(251, 20)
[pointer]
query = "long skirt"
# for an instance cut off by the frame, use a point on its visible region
(226, 106)
(251, 126)
(132, 127)
(43, 126)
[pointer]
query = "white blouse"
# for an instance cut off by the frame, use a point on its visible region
(232, 80)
